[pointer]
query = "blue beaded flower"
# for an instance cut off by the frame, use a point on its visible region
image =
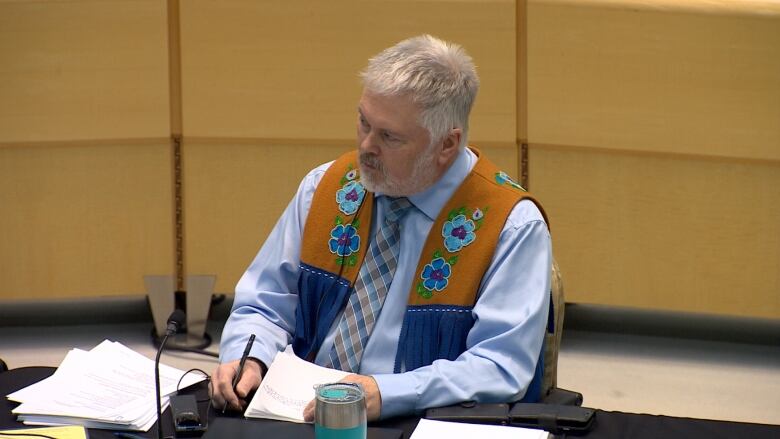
(436, 275)
(503, 178)
(458, 233)
(344, 240)
(350, 196)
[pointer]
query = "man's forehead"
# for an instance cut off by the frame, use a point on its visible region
(396, 111)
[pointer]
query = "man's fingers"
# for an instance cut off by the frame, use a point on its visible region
(224, 397)
(222, 386)
(250, 379)
(308, 412)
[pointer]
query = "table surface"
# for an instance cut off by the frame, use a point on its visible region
(608, 425)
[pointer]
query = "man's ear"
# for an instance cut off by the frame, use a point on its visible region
(450, 145)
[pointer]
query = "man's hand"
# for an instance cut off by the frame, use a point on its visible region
(223, 396)
(373, 397)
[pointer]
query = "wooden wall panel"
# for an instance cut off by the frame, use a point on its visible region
(84, 220)
(663, 232)
(281, 70)
(83, 69)
(505, 157)
(234, 192)
(671, 76)
(655, 148)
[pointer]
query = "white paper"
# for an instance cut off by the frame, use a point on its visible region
(110, 386)
(70, 363)
(288, 387)
(428, 429)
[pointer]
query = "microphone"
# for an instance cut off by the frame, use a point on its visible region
(175, 322)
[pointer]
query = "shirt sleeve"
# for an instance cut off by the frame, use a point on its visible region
(503, 346)
(266, 295)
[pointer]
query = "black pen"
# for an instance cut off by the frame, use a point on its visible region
(241, 366)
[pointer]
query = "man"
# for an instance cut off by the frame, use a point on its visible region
(413, 263)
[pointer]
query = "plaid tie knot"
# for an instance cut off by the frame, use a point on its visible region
(397, 209)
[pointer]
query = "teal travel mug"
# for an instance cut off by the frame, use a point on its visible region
(340, 411)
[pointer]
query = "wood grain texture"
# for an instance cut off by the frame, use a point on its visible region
(81, 221)
(75, 70)
(290, 69)
(234, 192)
(660, 231)
(687, 77)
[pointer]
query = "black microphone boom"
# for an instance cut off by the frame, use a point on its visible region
(175, 322)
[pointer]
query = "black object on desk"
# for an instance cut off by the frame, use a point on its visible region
(556, 419)
(610, 425)
(224, 427)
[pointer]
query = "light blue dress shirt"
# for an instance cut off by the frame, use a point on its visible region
(510, 314)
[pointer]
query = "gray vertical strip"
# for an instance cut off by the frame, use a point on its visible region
(174, 97)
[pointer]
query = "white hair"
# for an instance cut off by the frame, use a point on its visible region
(439, 76)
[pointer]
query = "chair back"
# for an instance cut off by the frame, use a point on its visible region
(552, 337)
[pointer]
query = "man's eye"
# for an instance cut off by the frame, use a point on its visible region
(363, 122)
(390, 138)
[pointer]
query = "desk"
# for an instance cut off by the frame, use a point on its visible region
(608, 425)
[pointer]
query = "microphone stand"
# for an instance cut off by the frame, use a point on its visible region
(157, 385)
(174, 322)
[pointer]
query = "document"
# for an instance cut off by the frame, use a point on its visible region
(110, 386)
(428, 429)
(69, 432)
(288, 387)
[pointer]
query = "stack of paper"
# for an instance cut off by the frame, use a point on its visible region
(288, 387)
(110, 386)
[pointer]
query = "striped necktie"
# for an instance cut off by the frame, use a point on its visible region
(371, 287)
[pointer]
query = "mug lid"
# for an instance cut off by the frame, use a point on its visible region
(340, 392)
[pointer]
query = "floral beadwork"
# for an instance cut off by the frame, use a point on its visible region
(435, 275)
(350, 196)
(503, 178)
(458, 233)
(344, 240)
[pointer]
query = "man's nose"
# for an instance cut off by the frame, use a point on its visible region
(368, 143)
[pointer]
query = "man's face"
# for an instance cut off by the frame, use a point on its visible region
(396, 155)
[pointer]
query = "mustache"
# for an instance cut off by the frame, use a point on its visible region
(368, 159)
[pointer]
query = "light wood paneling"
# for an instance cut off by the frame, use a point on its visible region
(663, 232)
(235, 192)
(80, 69)
(281, 70)
(84, 220)
(672, 76)
(505, 157)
